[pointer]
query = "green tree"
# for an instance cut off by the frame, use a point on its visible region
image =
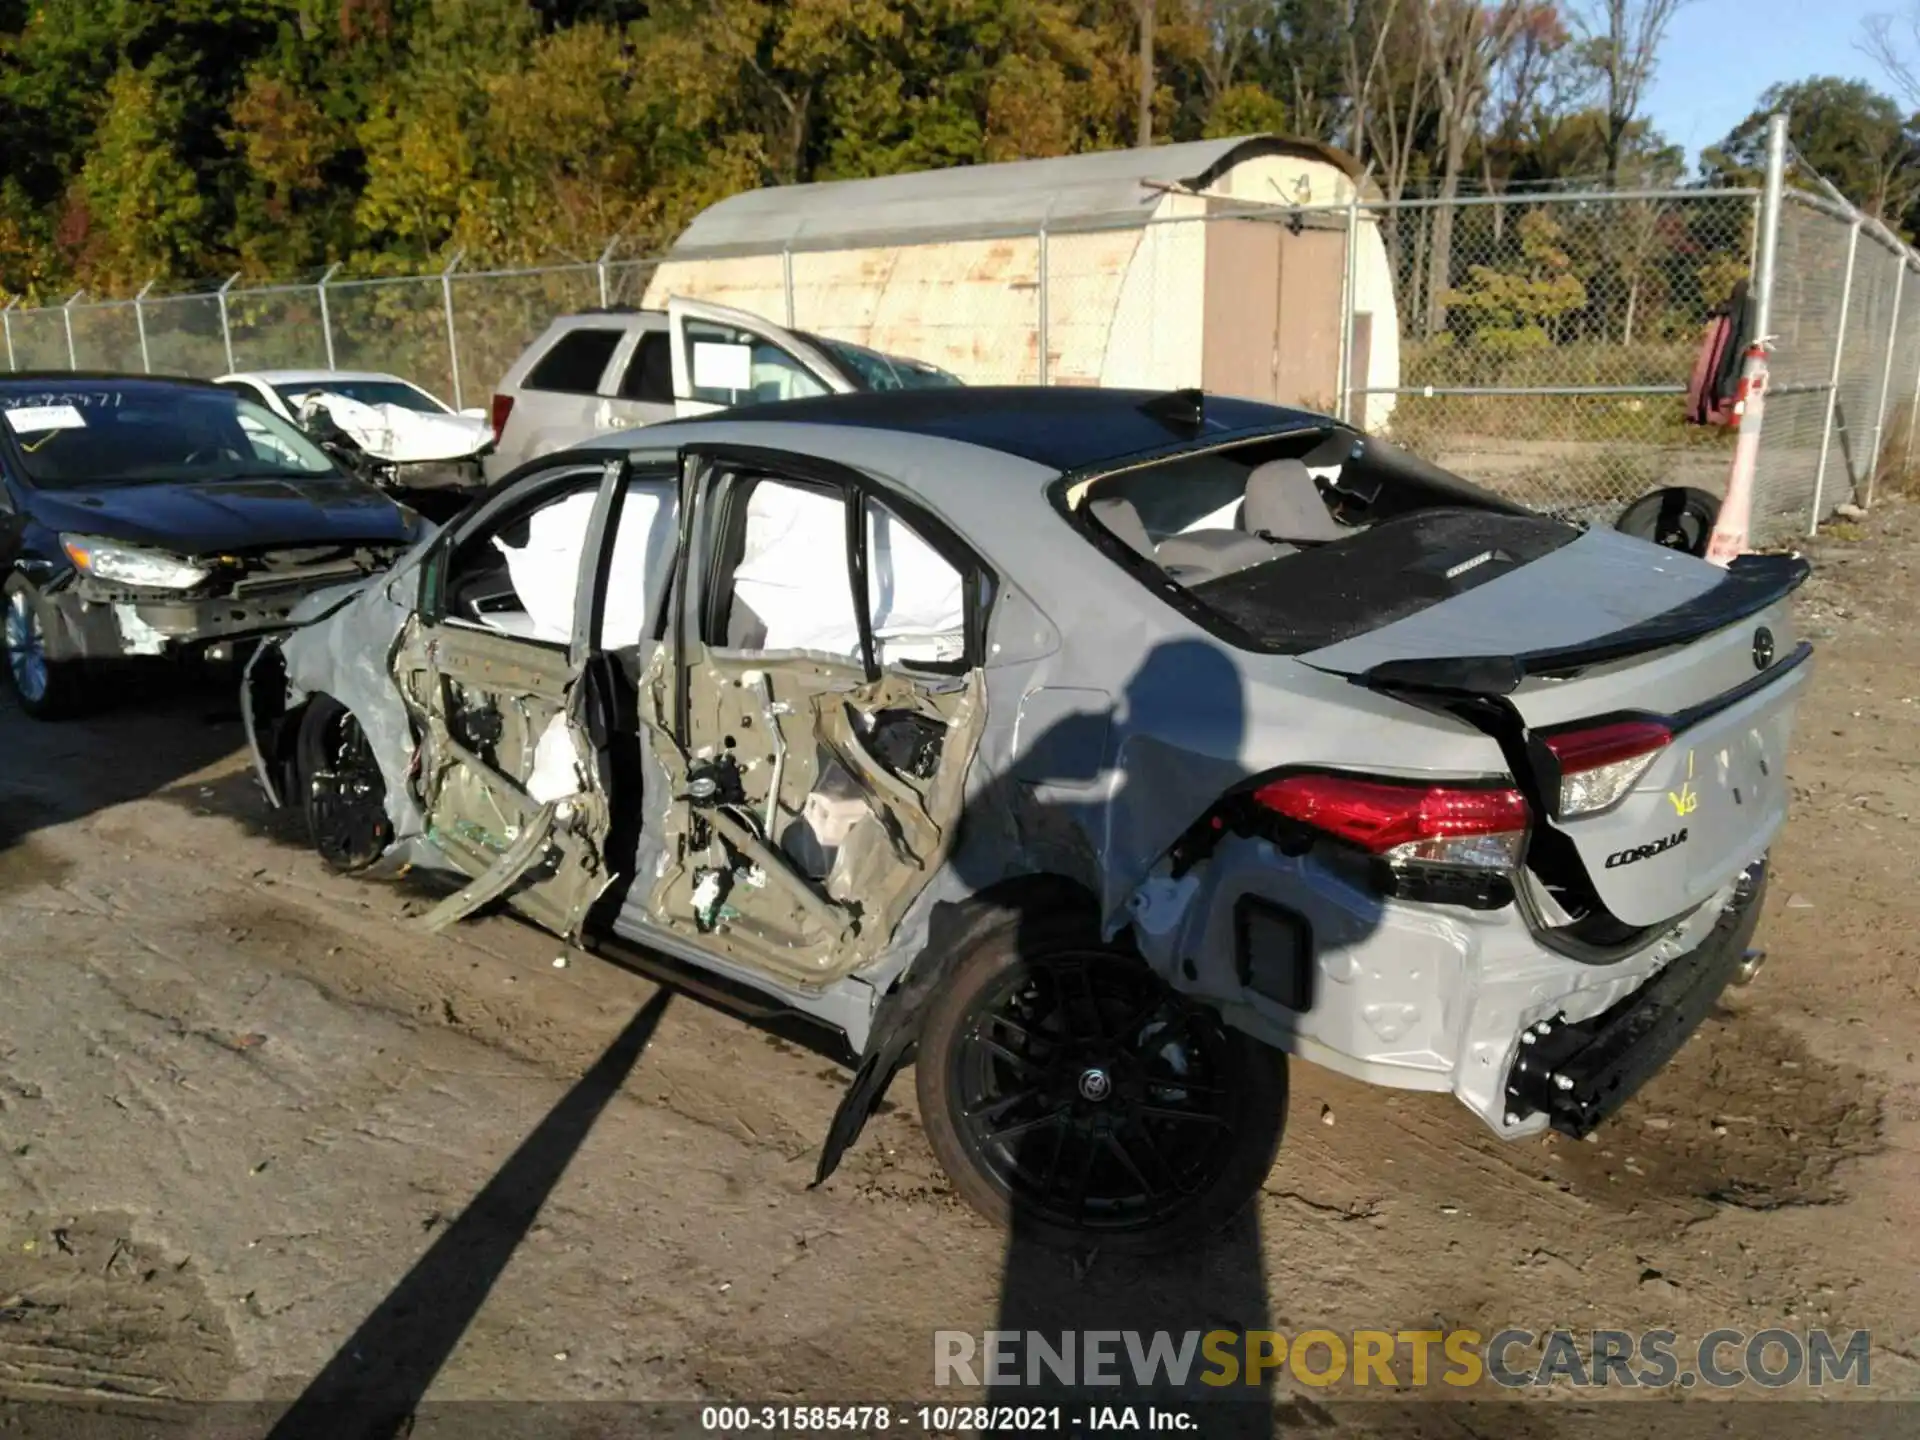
(134, 211)
(1245, 110)
(1854, 136)
(1506, 311)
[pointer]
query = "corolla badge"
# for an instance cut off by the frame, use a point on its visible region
(1646, 852)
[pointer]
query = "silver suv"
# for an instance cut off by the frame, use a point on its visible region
(607, 370)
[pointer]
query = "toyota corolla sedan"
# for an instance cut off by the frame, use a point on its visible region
(144, 517)
(1099, 751)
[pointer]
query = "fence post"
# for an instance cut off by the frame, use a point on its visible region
(1766, 242)
(1343, 381)
(786, 278)
(66, 318)
(1833, 378)
(1913, 414)
(226, 328)
(6, 320)
(600, 270)
(326, 315)
(453, 338)
(140, 324)
(1886, 378)
(1043, 320)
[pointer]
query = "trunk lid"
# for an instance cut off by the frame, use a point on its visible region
(1603, 628)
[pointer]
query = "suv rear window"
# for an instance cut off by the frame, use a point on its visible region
(575, 363)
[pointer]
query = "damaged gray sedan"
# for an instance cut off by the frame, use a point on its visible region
(1095, 750)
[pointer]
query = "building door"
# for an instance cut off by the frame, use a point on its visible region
(1240, 348)
(1307, 371)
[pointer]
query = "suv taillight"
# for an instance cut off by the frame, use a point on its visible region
(1478, 827)
(1598, 766)
(502, 407)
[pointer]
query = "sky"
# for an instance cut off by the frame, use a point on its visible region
(1720, 54)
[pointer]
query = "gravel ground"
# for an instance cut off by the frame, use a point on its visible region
(254, 1129)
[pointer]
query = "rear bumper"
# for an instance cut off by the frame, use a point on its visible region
(1579, 1073)
(1433, 997)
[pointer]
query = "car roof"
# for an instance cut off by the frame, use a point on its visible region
(612, 314)
(314, 377)
(1063, 428)
(17, 379)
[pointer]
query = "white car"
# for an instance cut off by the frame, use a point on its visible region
(390, 418)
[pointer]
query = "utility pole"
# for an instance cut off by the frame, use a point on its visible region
(1146, 74)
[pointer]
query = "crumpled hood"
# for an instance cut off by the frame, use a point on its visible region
(214, 516)
(398, 582)
(406, 437)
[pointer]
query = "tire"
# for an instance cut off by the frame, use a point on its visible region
(1679, 518)
(341, 787)
(1077, 1135)
(47, 689)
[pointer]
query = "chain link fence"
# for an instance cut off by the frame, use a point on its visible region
(1539, 343)
(1547, 341)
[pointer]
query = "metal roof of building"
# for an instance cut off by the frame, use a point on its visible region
(1066, 192)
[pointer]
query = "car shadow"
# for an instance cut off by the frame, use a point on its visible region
(147, 727)
(377, 1378)
(1175, 740)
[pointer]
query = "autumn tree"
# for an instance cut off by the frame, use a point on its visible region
(1854, 136)
(1508, 311)
(134, 210)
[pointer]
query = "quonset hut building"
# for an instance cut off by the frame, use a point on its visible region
(1217, 263)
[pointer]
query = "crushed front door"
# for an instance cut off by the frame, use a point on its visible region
(513, 789)
(724, 357)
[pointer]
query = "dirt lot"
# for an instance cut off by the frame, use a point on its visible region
(254, 1130)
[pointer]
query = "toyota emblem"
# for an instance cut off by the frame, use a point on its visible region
(1762, 648)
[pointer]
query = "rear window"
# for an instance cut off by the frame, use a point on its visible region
(82, 436)
(649, 376)
(367, 392)
(872, 370)
(576, 362)
(1293, 542)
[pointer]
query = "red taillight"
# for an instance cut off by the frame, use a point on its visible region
(1578, 750)
(1406, 822)
(1599, 766)
(502, 407)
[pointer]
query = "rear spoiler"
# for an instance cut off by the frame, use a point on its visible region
(1752, 583)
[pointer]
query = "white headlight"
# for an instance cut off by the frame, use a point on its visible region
(128, 565)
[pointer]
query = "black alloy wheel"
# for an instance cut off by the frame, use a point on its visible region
(345, 794)
(1072, 1094)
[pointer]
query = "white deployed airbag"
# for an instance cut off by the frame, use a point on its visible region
(546, 570)
(915, 594)
(793, 570)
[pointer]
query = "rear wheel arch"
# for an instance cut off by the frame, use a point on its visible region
(1033, 940)
(956, 930)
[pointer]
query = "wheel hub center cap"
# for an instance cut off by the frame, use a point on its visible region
(1095, 1084)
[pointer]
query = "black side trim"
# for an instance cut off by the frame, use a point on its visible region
(1726, 700)
(1752, 583)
